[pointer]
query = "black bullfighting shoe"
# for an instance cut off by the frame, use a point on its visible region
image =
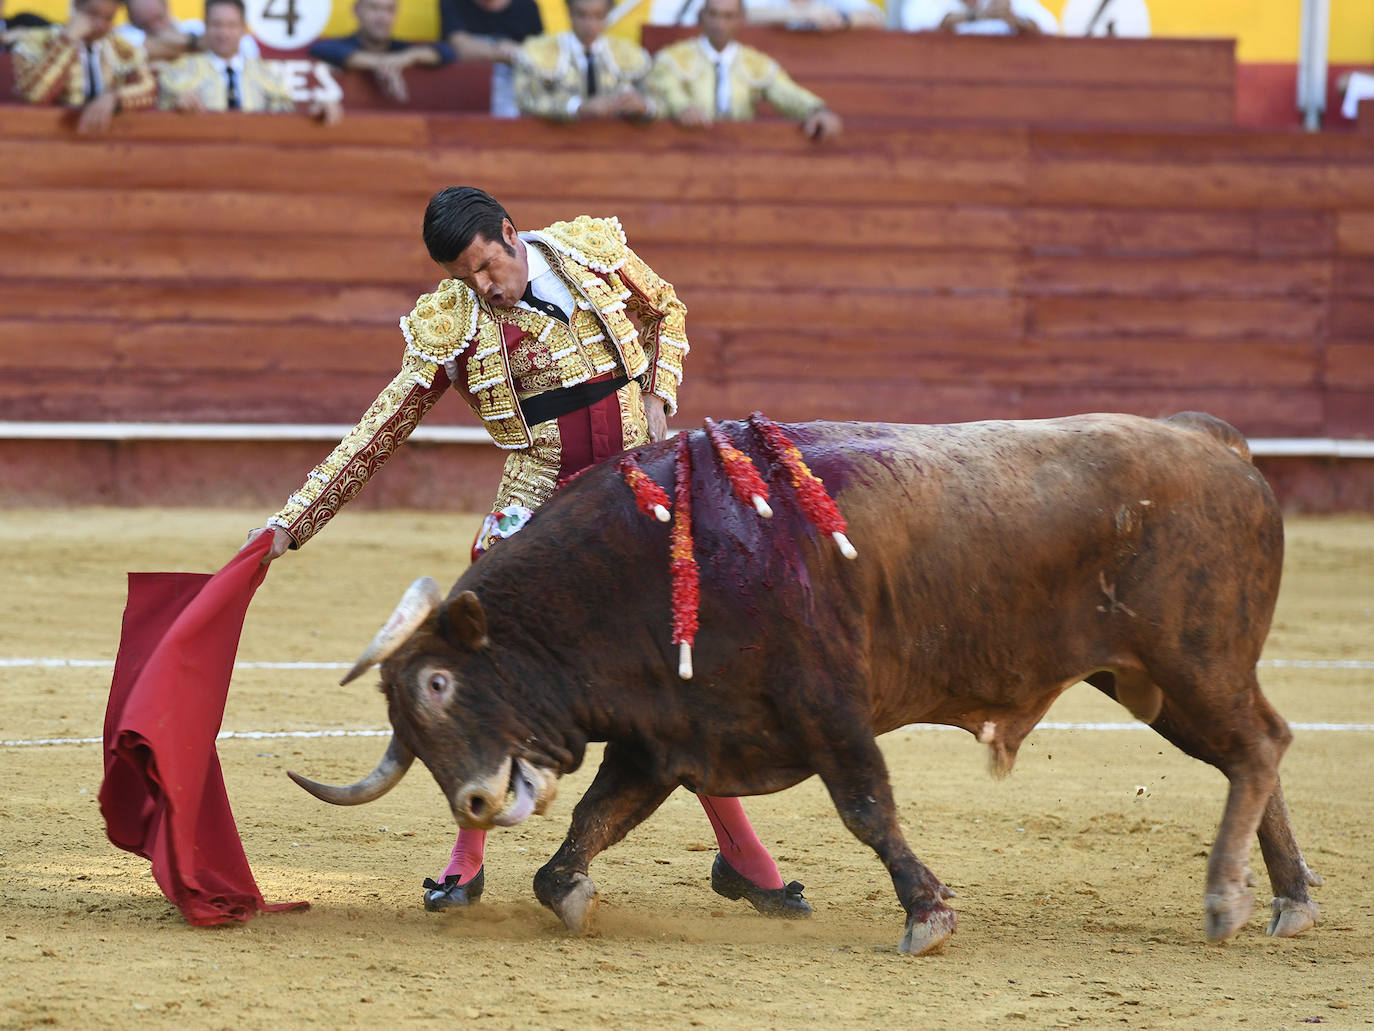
(451, 894)
(785, 902)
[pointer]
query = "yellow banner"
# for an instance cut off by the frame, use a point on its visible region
(1265, 30)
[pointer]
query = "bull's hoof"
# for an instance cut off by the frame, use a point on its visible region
(1291, 917)
(927, 931)
(1225, 912)
(785, 902)
(576, 907)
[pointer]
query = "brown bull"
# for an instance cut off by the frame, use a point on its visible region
(1000, 563)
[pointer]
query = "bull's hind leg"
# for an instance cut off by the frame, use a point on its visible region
(857, 780)
(1292, 909)
(1240, 734)
(621, 796)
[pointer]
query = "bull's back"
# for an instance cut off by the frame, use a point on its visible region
(998, 554)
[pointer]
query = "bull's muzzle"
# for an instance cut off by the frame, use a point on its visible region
(507, 797)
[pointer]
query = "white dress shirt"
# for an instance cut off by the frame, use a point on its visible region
(90, 69)
(724, 60)
(925, 15)
(577, 54)
(544, 281)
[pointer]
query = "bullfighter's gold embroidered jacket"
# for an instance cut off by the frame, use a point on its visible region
(260, 87)
(684, 77)
(47, 69)
(549, 75)
(627, 320)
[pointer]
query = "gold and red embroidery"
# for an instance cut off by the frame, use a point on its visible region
(333, 483)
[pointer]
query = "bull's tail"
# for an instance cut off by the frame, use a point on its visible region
(1218, 429)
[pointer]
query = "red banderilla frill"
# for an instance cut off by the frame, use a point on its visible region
(739, 468)
(649, 496)
(686, 582)
(818, 506)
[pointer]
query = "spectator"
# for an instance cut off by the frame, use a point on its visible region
(582, 73)
(491, 30)
(222, 79)
(374, 49)
(825, 15)
(978, 17)
(82, 65)
(697, 81)
(152, 27)
(22, 20)
(9, 27)
(817, 15)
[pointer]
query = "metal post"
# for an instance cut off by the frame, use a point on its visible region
(1312, 48)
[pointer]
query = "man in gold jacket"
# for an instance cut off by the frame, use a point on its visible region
(220, 78)
(83, 64)
(582, 73)
(714, 78)
(570, 349)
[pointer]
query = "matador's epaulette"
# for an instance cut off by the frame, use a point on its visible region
(597, 243)
(631, 58)
(758, 68)
(440, 326)
(542, 54)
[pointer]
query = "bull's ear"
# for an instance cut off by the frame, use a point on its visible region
(465, 624)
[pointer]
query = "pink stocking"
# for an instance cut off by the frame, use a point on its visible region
(467, 856)
(739, 844)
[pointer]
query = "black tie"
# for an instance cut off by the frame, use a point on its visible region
(91, 71)
(539, 304)
(232, 88)
(591, 74)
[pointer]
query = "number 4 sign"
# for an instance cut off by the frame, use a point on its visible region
(287, 24)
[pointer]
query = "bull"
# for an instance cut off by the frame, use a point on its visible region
(1002, 562)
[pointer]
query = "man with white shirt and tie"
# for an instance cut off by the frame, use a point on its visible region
(582, 73)
(83, 65)
(222, 79)
(569, 348)
(714, 78)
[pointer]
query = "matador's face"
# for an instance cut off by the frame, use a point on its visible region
(495, 270)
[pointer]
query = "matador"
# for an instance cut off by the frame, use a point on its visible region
(569, 348)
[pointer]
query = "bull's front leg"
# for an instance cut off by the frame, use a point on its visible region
(858, 785)
(621, 796)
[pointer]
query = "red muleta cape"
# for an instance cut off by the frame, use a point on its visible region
(163, 795)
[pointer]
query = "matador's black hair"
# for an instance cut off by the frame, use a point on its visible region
(458, 215)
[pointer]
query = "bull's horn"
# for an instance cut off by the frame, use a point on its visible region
(376, 784)
(419, 600)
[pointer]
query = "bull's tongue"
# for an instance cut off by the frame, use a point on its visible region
(523, 804)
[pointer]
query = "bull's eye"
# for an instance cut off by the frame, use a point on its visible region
(438, 682)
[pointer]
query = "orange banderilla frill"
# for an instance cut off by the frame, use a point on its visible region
(744, 478)
(811, 495)
(686, 579)
(749, 488)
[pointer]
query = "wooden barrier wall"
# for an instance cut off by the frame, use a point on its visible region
(231, 268)
(898, 76)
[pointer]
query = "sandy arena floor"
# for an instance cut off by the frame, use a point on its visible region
(1080, 877)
